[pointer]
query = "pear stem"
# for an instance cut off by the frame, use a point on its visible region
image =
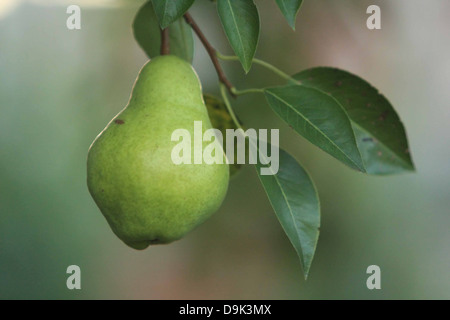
(211, 51)
(165, 43)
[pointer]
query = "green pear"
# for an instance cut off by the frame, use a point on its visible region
(144, 196)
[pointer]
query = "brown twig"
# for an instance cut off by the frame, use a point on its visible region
(165, 44)
(211, 51)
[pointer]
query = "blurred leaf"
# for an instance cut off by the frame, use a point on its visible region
(181, 40)
(294, 199)
(290, 9)
(319, 118)
(170, 10)
(240, 20)
(146, 30)
(221, 120)
(148, 34)
(379, 133)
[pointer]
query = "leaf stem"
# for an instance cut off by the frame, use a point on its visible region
(211, 51)
(246, 91)
(165, 43)
(223, 91)
(261, 63)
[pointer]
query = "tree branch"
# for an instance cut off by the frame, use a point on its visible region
(165, 44)
(211, 51)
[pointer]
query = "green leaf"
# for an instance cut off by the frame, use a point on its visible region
(148, 34)
(319, 118)
(240, 20)
(146, 30)
(181, 40)
(170, 10)
(379, 133)
(294, 199)
(290, 8)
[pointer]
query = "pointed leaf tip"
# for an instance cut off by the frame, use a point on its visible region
(294, 198)
(290, 9)
(169, 10)
(240, 21)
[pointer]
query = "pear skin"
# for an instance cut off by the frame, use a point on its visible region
(144, 196)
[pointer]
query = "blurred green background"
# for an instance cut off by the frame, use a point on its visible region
(59, 88)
